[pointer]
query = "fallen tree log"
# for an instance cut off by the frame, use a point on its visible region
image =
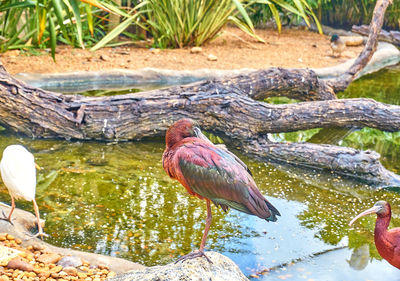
(225, 107)
(391, 36)
(363, 166)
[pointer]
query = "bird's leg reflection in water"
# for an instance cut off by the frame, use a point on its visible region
(200, 251)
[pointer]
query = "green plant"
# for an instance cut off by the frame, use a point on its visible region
(263, 10)
(345, 13)
(179, 23)
(41, 23)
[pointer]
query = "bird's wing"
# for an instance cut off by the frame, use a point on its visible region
(215, 174)
(19, 175)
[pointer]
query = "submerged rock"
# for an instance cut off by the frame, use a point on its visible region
(70, 261)
(197, 269)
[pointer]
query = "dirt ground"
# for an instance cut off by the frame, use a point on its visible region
(233, 50)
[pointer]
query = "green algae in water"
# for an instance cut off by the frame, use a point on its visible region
(115, 199)
(382, 86)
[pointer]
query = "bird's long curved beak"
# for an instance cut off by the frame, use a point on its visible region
(200, 135)
(37, 166)
(372, 210)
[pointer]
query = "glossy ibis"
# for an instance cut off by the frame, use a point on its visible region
(387, 242)
(213, 174)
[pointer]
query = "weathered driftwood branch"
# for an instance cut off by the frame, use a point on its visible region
(226, 107)
(363, 166)
(343, 81)
(222, 107)
(391, 36)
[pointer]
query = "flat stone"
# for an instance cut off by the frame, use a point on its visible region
(104, 57)
(70, 261)
(49, 258)
(17, 263)
(196, 50)
(70, 270)
(38, 247)
(56, 269)
(155, 51)
(198, 269)
(212, 57)
(353, 40)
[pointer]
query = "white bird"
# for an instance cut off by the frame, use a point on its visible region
(18, 171)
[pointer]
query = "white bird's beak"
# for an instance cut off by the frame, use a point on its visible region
(37, 166)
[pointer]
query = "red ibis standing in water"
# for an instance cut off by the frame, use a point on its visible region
(212, 174)
(387, 242)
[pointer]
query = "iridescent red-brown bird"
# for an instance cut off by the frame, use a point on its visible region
(213, 174)
(387, 242)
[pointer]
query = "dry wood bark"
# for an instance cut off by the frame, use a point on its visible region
(226, 107)
(391, 36)
(343, 81)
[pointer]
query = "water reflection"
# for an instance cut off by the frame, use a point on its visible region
(359, 257)
(116, 199)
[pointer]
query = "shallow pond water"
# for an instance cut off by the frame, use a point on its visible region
(115, 199)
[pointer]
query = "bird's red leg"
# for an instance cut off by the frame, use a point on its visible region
(208, 224)
(200, 251)
(12, 210)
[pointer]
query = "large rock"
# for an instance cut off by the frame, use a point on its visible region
(198, 269)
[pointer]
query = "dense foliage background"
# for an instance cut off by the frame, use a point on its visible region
(28, 24)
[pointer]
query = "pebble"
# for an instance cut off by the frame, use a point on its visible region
(57, 269)
(34, 263)
(82, 275)
(353, 40)
(70, 270)
(49, 258)
(196, 50)
(23, 254)
(104, 57)
(155, 51)
(102, 266)
(69, 261)
(17, 263)
(37, 247)
(212, 57)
